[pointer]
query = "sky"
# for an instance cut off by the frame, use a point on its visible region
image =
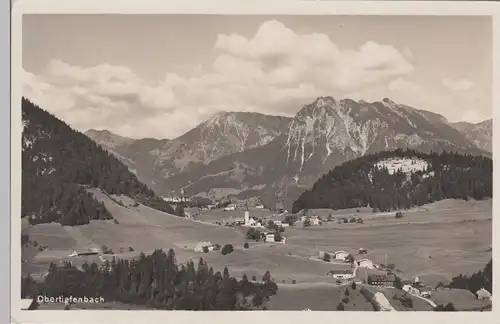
(158, 76)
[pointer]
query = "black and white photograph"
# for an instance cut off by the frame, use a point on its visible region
(256, 162)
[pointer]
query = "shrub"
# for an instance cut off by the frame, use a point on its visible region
(391, 266)
(254, 278)
(307, 222)
(352, 220)
(277, 237)
(246, 246)
(106, 250)
(281, 229)
(327, 257)
(398, 284)
(353, 285)
(345, 300)
(291, 219)
(399, 215)
(205, 249)
(346, 292)
(294, 281)
(228, 248)
(406, 302)
(217, 247)
(349, 258)
(447, 308)
(266, 277)
(253, 234)
(340, 307)
(130, 249)
(35, 243)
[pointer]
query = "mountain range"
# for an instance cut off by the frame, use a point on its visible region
(244, 155)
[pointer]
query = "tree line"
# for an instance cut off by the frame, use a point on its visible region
(481, 279)
(361, 183)
(155, 281)
(58, 163)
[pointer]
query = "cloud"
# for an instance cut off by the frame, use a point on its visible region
(276, 71)
(461, 85)
(404, 86)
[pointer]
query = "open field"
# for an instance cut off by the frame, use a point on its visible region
(434, 242)
(318, 297)
(463, 300)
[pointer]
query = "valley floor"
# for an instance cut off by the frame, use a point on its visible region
(434, 242)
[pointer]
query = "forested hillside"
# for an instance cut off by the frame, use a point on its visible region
(377, 181)
(478, 280)
(157, 281)
(59, 162)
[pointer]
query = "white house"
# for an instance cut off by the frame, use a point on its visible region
(483, 294)
(259, 207)
(343, 276)
(199, 247)
(411, 290)
(340, 255)
(366, 263)
(73, 254)
(315, 220)
(230, 208)
(269, 237)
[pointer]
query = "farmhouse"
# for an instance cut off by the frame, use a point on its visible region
(269, 237)
(366, 263)
(381, 280)
(259, 207)
(411, 290)
(199, 247)
(340, 255)
(483, 294)
(341, 274)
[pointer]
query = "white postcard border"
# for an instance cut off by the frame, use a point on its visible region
(225, 7)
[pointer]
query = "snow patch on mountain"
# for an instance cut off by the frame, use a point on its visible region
(330, 124)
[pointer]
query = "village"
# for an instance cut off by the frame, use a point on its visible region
(297, 248)
(362, 270)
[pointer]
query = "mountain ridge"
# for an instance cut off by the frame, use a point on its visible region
(298, 150)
